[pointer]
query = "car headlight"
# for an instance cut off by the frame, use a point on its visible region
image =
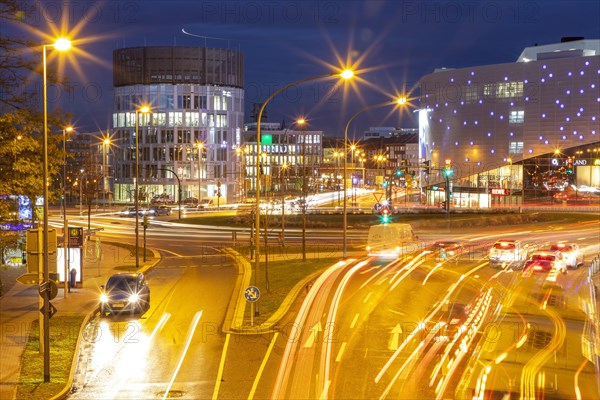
(133, 298)
(103, 298)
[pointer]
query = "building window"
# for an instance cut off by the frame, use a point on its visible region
(516, 117)
(167, 136)
(515, 148)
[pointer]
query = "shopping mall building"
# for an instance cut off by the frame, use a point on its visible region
(515, 132)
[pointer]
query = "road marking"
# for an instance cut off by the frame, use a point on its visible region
(262, 366)
(394, 338)
(339, 356)
(314, 331)
(221, 367)
(367, 297)
(354, 321)
(185, 349)
(172, 252)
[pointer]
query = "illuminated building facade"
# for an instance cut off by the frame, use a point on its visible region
(196, 98)
(513, 126)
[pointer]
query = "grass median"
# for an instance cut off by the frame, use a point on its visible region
(283, 274)
(64, 331)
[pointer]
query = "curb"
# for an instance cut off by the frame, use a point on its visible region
(237, 306)
(65, 392)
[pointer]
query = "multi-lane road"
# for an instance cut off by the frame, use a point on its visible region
(421, 326)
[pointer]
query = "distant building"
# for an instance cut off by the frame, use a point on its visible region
(286, 153)
(196, 97)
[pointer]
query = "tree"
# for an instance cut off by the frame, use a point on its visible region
(21, 155)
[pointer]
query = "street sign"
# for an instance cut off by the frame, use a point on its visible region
(252, 294)
(377, 207)
(29, 278)
(75, 237)
(51, 287)
(51, 310)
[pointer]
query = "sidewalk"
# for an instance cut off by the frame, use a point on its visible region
(19, 308)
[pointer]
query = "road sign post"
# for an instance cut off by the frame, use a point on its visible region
(252, 294)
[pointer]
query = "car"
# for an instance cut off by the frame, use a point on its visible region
(448, 248)
(190, 202)
(159, 210)
(571, 252)
(205, 204)
(127, 212)
(508, 253)
(126, 291)
(546, 261)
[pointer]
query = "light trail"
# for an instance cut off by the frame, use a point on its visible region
(331, 318)
(190, 335)
(284, 367)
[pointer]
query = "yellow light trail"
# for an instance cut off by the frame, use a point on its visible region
(190, 335)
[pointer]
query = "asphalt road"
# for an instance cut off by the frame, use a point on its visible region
(368, 328)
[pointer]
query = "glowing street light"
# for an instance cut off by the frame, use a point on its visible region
(345, 74)
(144, 109)
(400, 101)
(61, 44)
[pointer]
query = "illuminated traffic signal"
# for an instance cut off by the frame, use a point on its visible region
(399, 172)
(448, 171)
(385, 215)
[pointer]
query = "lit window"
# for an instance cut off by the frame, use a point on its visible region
(516, 117)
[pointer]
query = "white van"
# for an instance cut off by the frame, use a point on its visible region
(390, 240)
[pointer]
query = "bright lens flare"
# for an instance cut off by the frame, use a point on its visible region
(144, 109)
(62, 44)
(347, 74)
(401, 100)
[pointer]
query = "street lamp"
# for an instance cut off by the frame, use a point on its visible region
(105, 145)
(346, 74)
(144, 110)
(200, 146)
(61, 44)
(398, 102)
(301, 122)
(64, 204)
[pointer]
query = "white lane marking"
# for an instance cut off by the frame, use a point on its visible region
(341, 352)
(262, 366)
(215, 395)
(354, 321)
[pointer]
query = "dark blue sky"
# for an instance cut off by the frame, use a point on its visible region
(284, 41)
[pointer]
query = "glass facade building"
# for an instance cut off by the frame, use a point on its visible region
(196, 98)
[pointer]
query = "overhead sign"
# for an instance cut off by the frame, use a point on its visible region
(252, 294)
(499, 192)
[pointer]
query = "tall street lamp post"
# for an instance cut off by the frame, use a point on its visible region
(144, 110)
(399, 101)
(301, 122)
(60, 45)
(105, 185)
(65, 222)
(346, 74)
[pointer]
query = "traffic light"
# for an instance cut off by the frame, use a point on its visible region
(448, 171)
(569, 165)
(385, 215)
(399, 172)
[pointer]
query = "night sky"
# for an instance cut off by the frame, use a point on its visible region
(395, 43)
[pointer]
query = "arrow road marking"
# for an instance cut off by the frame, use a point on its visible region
(395, 338)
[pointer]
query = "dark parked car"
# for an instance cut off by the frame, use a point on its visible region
(125, 292)
(127, 212)
(159, 210)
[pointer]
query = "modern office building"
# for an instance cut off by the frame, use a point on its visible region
(511, 130)
(188, 139)
(288, 155)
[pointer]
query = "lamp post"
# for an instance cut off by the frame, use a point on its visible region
(60, 45)
(301, 122)
(346, 74)
(200, 146)
(64, 204)
(144, 110)
(400, 101)
(105, 144)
